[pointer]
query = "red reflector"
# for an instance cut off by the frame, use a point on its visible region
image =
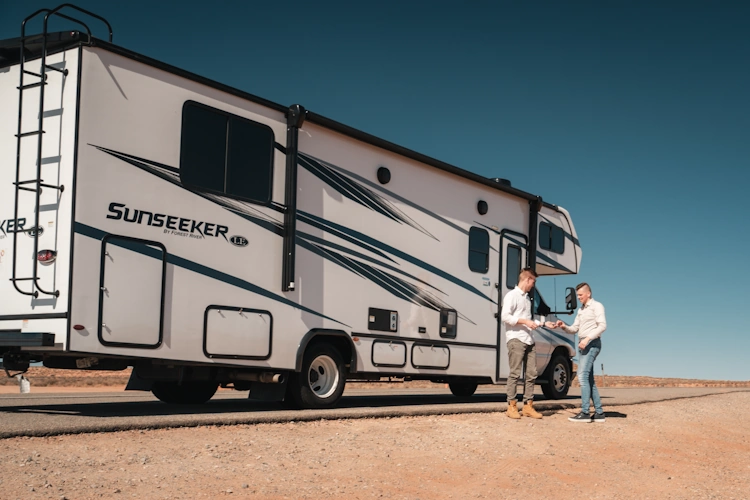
(78, 327)
(46, 256)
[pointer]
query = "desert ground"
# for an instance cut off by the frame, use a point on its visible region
(48, 380)
(687, 448)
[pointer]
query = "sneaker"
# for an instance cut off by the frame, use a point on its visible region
(598, 418)
(581, 417)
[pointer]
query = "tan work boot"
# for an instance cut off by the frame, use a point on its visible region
(513, 409)
(529, 411)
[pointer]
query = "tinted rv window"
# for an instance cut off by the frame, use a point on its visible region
(226, 154)
(479, 250)
(512, 266)
(551, 237)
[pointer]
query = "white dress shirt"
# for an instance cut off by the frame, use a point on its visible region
(516, 305)
(590, 322)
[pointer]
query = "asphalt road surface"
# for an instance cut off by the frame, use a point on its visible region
(70, 413)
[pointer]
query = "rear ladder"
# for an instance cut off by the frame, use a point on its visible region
(36, 184)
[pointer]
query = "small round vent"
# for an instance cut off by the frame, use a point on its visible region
(384, 175)
(482, 207)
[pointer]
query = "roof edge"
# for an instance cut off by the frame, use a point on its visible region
(70, 39)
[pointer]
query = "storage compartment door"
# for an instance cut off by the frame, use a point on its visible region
(388, 353)
(430, 356)
(131, 295)
(237, 333)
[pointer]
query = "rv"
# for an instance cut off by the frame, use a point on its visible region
(156, 219)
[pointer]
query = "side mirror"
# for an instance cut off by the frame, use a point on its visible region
(570, 299)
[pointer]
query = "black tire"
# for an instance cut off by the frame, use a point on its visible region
(321, 381)
(197, 392)
(463, 389)
(558, 377)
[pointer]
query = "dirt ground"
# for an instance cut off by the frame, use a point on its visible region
(65, 380)
(689, 448)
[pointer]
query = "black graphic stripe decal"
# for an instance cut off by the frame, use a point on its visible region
(342, 235)
(393, 284)
(356, 192)
(350, 234)
(190, 265)
(393, 195)
(245, 210)
(341, 248)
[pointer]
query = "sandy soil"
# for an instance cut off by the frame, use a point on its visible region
(49, 380)
(690, 448)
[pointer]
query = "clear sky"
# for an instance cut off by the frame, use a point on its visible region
(635, 116)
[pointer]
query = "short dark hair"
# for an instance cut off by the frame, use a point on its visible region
(581, 285)
(525, 271)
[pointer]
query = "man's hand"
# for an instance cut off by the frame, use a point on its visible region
(528, 323)
(550, 325)
(559, 323)
(582, 344)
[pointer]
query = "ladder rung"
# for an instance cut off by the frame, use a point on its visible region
(54, 68)
(24, 279)
(33, 74)
(51, 159)
(40, 185)
(52, 112)
(26, 134)
(60, 187)
(31, 85)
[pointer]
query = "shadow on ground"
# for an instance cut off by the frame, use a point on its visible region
(234, 405)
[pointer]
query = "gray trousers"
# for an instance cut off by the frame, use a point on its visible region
(518, 352)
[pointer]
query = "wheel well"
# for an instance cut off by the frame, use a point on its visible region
(336, 338)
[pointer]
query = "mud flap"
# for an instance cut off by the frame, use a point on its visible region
(267, 392)
(135, 383)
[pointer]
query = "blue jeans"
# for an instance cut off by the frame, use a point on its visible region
(586, 358)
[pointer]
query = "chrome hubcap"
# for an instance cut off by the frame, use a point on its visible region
(323, 377)
(559, 377)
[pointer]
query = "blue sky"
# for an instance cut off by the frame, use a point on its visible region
(632, 115)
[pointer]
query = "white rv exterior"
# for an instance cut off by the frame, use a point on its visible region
(394, 264)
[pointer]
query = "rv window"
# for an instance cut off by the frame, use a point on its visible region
(512, 266)
(226, 154)
(551, 237)
(479, 250)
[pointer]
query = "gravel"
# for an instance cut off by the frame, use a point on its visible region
(687, 448)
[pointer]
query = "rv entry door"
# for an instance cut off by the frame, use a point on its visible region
(513, 248)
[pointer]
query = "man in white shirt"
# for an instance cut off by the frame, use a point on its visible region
(516, 314)
(589, 324)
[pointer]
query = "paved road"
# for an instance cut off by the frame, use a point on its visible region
(52, 414)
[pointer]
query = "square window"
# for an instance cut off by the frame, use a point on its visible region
(512, 266)
(551, 237)
(226, 154)
(479, 250)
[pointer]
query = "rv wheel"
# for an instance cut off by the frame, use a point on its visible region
(186, 393)
(462, 389)
(321, 382)
(558, 378)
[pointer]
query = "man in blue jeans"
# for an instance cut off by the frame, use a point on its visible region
(589, 324)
